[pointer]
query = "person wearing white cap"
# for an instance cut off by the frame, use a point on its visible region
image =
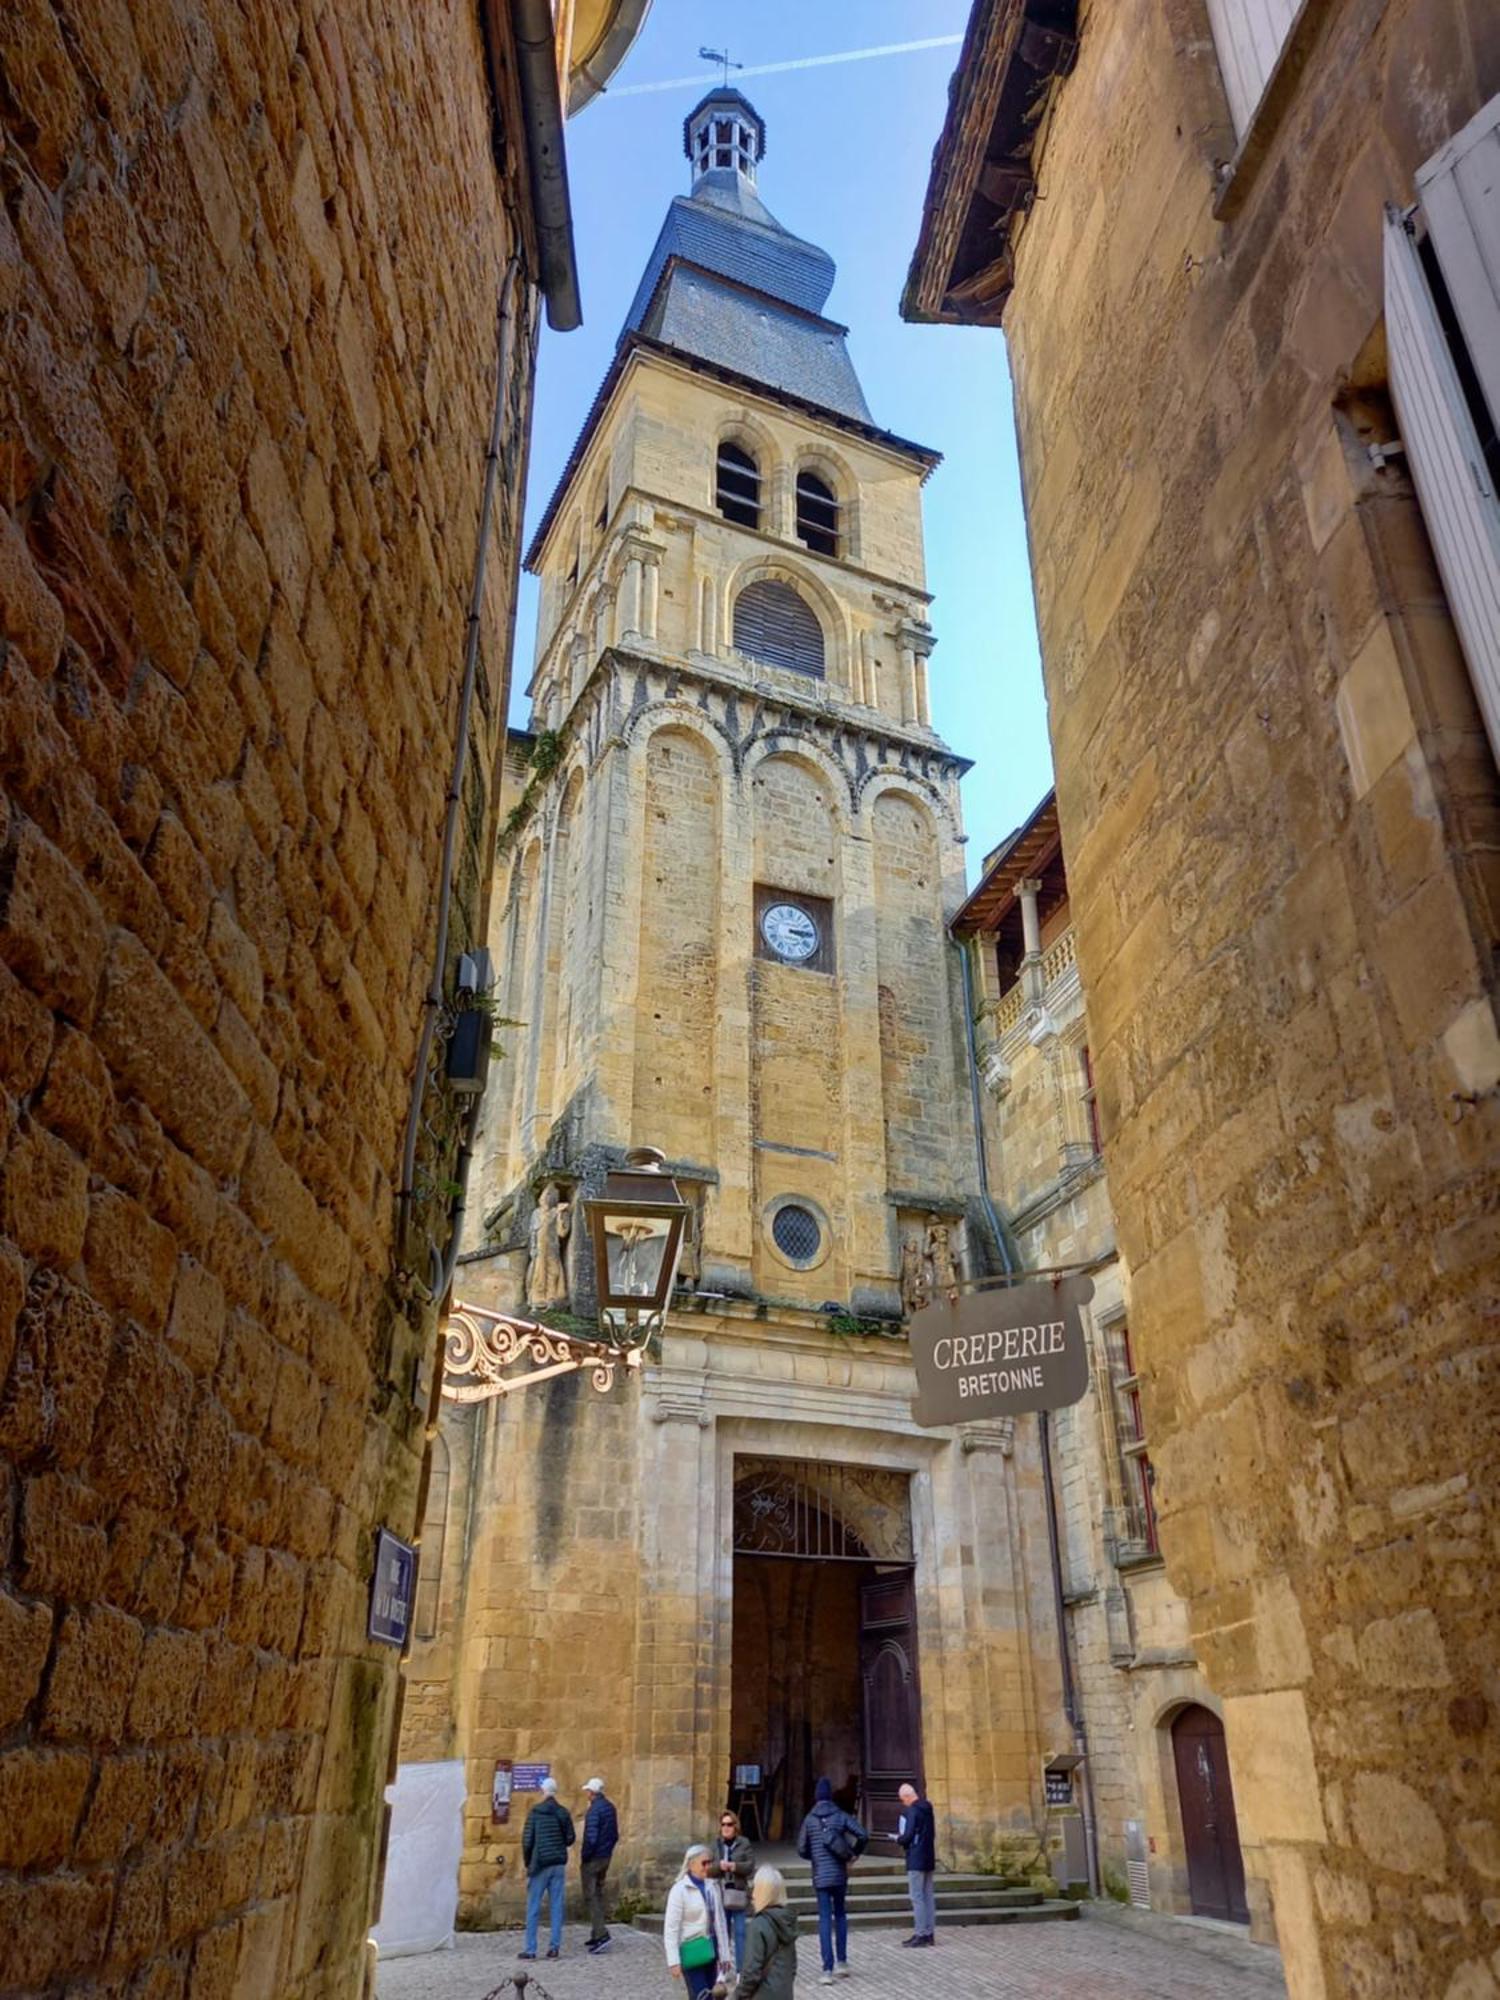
(601, 1836)
(545, 1840)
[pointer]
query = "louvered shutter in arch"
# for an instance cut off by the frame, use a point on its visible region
(772, 623)
(1458, 497)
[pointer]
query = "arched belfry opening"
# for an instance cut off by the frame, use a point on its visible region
(824, 1681)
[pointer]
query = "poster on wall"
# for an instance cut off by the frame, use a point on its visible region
(998, 1353)
(500, 1792)
(528, 1777)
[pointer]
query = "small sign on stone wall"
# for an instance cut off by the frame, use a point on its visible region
(528, 1777)
(999, 1353)
(392, 1589)
(501, 1791)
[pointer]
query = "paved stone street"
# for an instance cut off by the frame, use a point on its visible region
(1110, 1957)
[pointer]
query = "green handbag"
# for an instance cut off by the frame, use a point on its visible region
(699, 1951)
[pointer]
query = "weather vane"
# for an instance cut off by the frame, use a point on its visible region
(720, 56)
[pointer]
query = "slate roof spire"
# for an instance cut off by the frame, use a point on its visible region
(728, 285)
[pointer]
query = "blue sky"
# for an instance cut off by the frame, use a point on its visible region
(847, 153)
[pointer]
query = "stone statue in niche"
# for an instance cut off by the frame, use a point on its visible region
(916, 1277)
(546, 1272)
(940, 1257)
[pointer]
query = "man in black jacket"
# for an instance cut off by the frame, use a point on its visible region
(545, 1840)
(601, 1836)
(918, 1835)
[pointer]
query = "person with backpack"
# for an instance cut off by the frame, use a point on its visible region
(830, 1839)
(545, 1840)
(769, 1968)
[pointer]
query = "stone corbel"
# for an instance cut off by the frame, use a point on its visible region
(680, 1406)
(998, 1436)
(994, 1071)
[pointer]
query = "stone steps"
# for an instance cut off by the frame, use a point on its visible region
(1043, 1910)
(878, 1901)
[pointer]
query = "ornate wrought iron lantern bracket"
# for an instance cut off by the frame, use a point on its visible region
(481, 1345)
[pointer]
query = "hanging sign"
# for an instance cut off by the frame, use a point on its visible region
(999, 1353)
(501, 1791)
(392, 1589)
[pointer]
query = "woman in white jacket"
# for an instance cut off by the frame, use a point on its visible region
(695, 1917)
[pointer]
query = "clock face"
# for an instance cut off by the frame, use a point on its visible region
(790, 932)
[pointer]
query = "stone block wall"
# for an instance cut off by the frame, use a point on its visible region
(250, 260)
(1280, 819)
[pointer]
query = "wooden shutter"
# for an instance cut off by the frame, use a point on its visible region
(1249, 35)
(1457, 495)
(1459, 189)
(772, 623)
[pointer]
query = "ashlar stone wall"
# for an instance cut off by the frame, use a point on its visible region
(250, 260)
(1279, 813)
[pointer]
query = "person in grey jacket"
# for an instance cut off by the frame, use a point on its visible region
(830, 1839)
(769, 1969)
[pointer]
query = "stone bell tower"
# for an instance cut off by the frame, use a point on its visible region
(721, 919)
(733, 841)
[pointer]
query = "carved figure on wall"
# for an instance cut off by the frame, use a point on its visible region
(546, 1273)
(916, 1277)
(940, 1256)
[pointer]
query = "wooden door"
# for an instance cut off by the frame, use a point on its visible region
(1216, 1872)
(892, 1717)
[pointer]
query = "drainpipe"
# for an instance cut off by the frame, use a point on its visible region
(546, 159)
(505, 350)
(1072, 1700)
(1072, 1704)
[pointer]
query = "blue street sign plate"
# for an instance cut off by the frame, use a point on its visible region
(393, 1589)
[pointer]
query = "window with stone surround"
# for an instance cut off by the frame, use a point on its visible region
(1138, 1509)
(737, 487)
(817, 515)
(1090, 1101)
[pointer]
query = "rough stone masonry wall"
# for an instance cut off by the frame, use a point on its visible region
(250, 257)
(1280, 821)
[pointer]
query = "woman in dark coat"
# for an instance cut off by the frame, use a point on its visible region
(735, 1859)
(830, 1839)
(769, 1969)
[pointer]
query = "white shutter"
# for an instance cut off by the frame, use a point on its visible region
(1459, 189)
(1453, 485)
(1249, 36)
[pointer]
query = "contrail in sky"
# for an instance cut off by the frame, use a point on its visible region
(801, 62)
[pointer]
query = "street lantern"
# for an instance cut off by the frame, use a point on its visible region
(637, 1226)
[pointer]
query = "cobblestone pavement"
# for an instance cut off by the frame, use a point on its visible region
(1106, 1957)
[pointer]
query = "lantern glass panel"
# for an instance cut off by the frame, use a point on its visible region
(636, 1246)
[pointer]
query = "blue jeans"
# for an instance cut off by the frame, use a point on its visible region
(923, 1901)
(739, 1918)
(548, 1882)
(833, 1922)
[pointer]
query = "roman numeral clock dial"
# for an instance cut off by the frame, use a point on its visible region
(790, 932)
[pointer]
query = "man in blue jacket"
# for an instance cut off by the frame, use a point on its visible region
(918, 1835)
(601, 1836)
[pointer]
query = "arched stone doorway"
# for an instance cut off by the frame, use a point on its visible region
(823, 1677)
(1216, 1870)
